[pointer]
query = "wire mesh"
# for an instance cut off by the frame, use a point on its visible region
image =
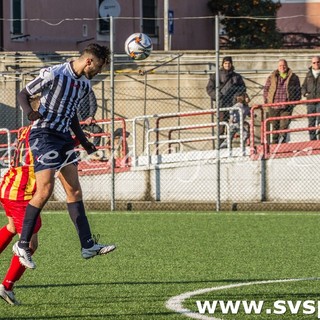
(169, 155)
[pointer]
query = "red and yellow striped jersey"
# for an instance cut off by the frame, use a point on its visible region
(19, 183)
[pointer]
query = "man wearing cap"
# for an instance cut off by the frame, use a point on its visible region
(231, 85)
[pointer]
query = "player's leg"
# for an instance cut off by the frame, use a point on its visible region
(14, 273)
(7, 233)
(17, 209)
(45, 184)
(70, 181)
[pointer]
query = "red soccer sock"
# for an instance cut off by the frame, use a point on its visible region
(5, 238)
(14, 273)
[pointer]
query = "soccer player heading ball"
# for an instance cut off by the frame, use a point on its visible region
(62, 88)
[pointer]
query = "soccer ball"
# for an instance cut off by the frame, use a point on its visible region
(138, 46)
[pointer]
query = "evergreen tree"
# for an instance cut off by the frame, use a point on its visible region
(246, 31)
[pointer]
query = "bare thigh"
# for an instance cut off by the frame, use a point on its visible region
(45, 184)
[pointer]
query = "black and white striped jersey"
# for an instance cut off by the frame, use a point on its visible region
(61, 94)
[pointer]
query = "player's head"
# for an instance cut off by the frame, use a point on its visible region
(95, 57)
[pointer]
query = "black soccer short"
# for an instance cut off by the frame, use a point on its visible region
(51, 149)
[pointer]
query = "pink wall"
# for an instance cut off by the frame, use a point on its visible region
(188, 34)
(304, 17)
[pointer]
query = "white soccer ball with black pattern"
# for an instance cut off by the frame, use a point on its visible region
(138, 46)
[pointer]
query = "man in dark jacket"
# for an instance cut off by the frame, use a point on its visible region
(231, 85)
(281, 86)
(311, 90)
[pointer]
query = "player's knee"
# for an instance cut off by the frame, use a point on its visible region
(40, 198)
(78, 195)
(45, 191)
(74, 195)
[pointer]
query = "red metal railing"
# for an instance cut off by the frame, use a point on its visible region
(7, 148)
(263, 147)
(108, 135)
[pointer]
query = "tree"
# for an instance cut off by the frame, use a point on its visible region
(253, 25)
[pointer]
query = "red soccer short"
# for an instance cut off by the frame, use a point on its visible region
(16, 209)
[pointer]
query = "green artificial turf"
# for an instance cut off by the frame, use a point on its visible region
(163, 254)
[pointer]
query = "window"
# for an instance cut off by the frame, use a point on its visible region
(149, 10)
(16, 15)
(104, 24)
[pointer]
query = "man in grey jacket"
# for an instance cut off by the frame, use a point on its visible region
(311, 90)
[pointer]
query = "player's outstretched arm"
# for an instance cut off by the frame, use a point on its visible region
(76, 128)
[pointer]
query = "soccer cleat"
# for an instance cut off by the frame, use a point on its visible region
(97, 249)
(24, 256)
(8, 296)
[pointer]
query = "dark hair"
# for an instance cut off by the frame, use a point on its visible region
(101, 52)
(229, 59)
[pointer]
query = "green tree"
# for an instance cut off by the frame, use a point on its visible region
(249, 24)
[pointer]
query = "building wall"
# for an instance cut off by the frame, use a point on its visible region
(54, 33)
(304, 16)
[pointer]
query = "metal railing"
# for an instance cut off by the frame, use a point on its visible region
(261, 148)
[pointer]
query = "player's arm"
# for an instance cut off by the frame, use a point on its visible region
(92, 107)
(92, 104)
(36, 86)
(24, 99)
(76, 128)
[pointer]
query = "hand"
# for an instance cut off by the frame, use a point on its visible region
(88, 121)
(89, 147)
(34, 115)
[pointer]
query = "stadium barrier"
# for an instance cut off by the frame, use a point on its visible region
(264, 149)
(87, 166)
(163, 136)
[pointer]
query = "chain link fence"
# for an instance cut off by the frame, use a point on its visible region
(167, 153)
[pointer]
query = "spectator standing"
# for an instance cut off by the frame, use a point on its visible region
(311, 90)
(231, 85)
(281, 86)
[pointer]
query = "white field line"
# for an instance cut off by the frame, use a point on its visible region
(204, 213)
(176, 303)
